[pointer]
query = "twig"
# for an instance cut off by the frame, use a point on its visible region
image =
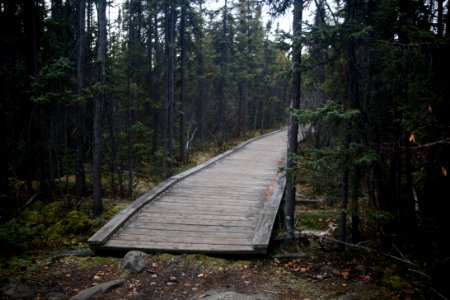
(406, 261)
(26, 204)
(440, 295)
(421, 273)
(399, 252)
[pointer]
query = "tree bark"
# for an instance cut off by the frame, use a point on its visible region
(80, 174)
(183, 58)
(289, 206)
(170, 88)
(98, 104)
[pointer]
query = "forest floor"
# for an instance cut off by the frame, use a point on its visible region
(319, 272)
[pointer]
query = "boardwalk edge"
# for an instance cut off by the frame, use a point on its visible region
(102, 235)
(264, 227)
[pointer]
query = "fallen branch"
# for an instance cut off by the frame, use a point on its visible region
(288, 255)
(406, 261)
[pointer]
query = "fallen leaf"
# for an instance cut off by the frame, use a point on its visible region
(444, 170)
(247, 282)
(365, 277)
(412, 138)
(201, 275)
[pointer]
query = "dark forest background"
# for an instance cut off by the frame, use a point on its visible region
(90, 103)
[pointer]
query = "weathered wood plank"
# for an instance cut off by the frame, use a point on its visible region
(193, 228)
(178, 247)
(185, 233)
(204, 211)
(230, 240)
(185, 216)
(213, 206)
(267, 220)
(145, 220)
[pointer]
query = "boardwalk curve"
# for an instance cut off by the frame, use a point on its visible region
(225, 205)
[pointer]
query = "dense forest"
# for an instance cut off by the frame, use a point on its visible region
(96, 94)
(91, 102)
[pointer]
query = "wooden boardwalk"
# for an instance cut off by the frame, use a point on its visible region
(225, 205)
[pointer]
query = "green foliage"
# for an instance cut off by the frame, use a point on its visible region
(380, 216)
(319, 166)
(361, 155)
(15, 236)
(331, 112)
(49, 84)
(316, 219)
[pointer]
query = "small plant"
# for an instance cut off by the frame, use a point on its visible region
(15, 236)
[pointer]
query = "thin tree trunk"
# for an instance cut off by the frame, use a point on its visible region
(98, 103)
(355, 205)
(170, 88)
(80, 174)
(289, 206)
(440, 16)
(183, 58)
(130, 69)
(201, 89)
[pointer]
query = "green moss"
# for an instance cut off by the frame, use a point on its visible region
(316, 219)
(200, 261)
(92, 260)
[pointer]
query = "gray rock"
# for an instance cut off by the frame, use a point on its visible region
(134, 261)
(56, 296)
(17, 290)
(349, 296)
(230, 295)
(100, 288)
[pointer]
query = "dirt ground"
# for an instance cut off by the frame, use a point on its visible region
(191, 276)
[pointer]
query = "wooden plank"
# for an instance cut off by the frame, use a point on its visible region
(202, 211)
(230, 240)
(183, 215)
(214, 206)
(265, 224)
(208, 200)
(184, 233)
(192, 228)
(178, 247)
(144, 221)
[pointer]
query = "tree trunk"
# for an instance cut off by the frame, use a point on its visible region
(80, 174)
(200, 109)
(183, 58)
(440, 18)
(130, 70)
(289, 206)
(98, 104)
(170, 88)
